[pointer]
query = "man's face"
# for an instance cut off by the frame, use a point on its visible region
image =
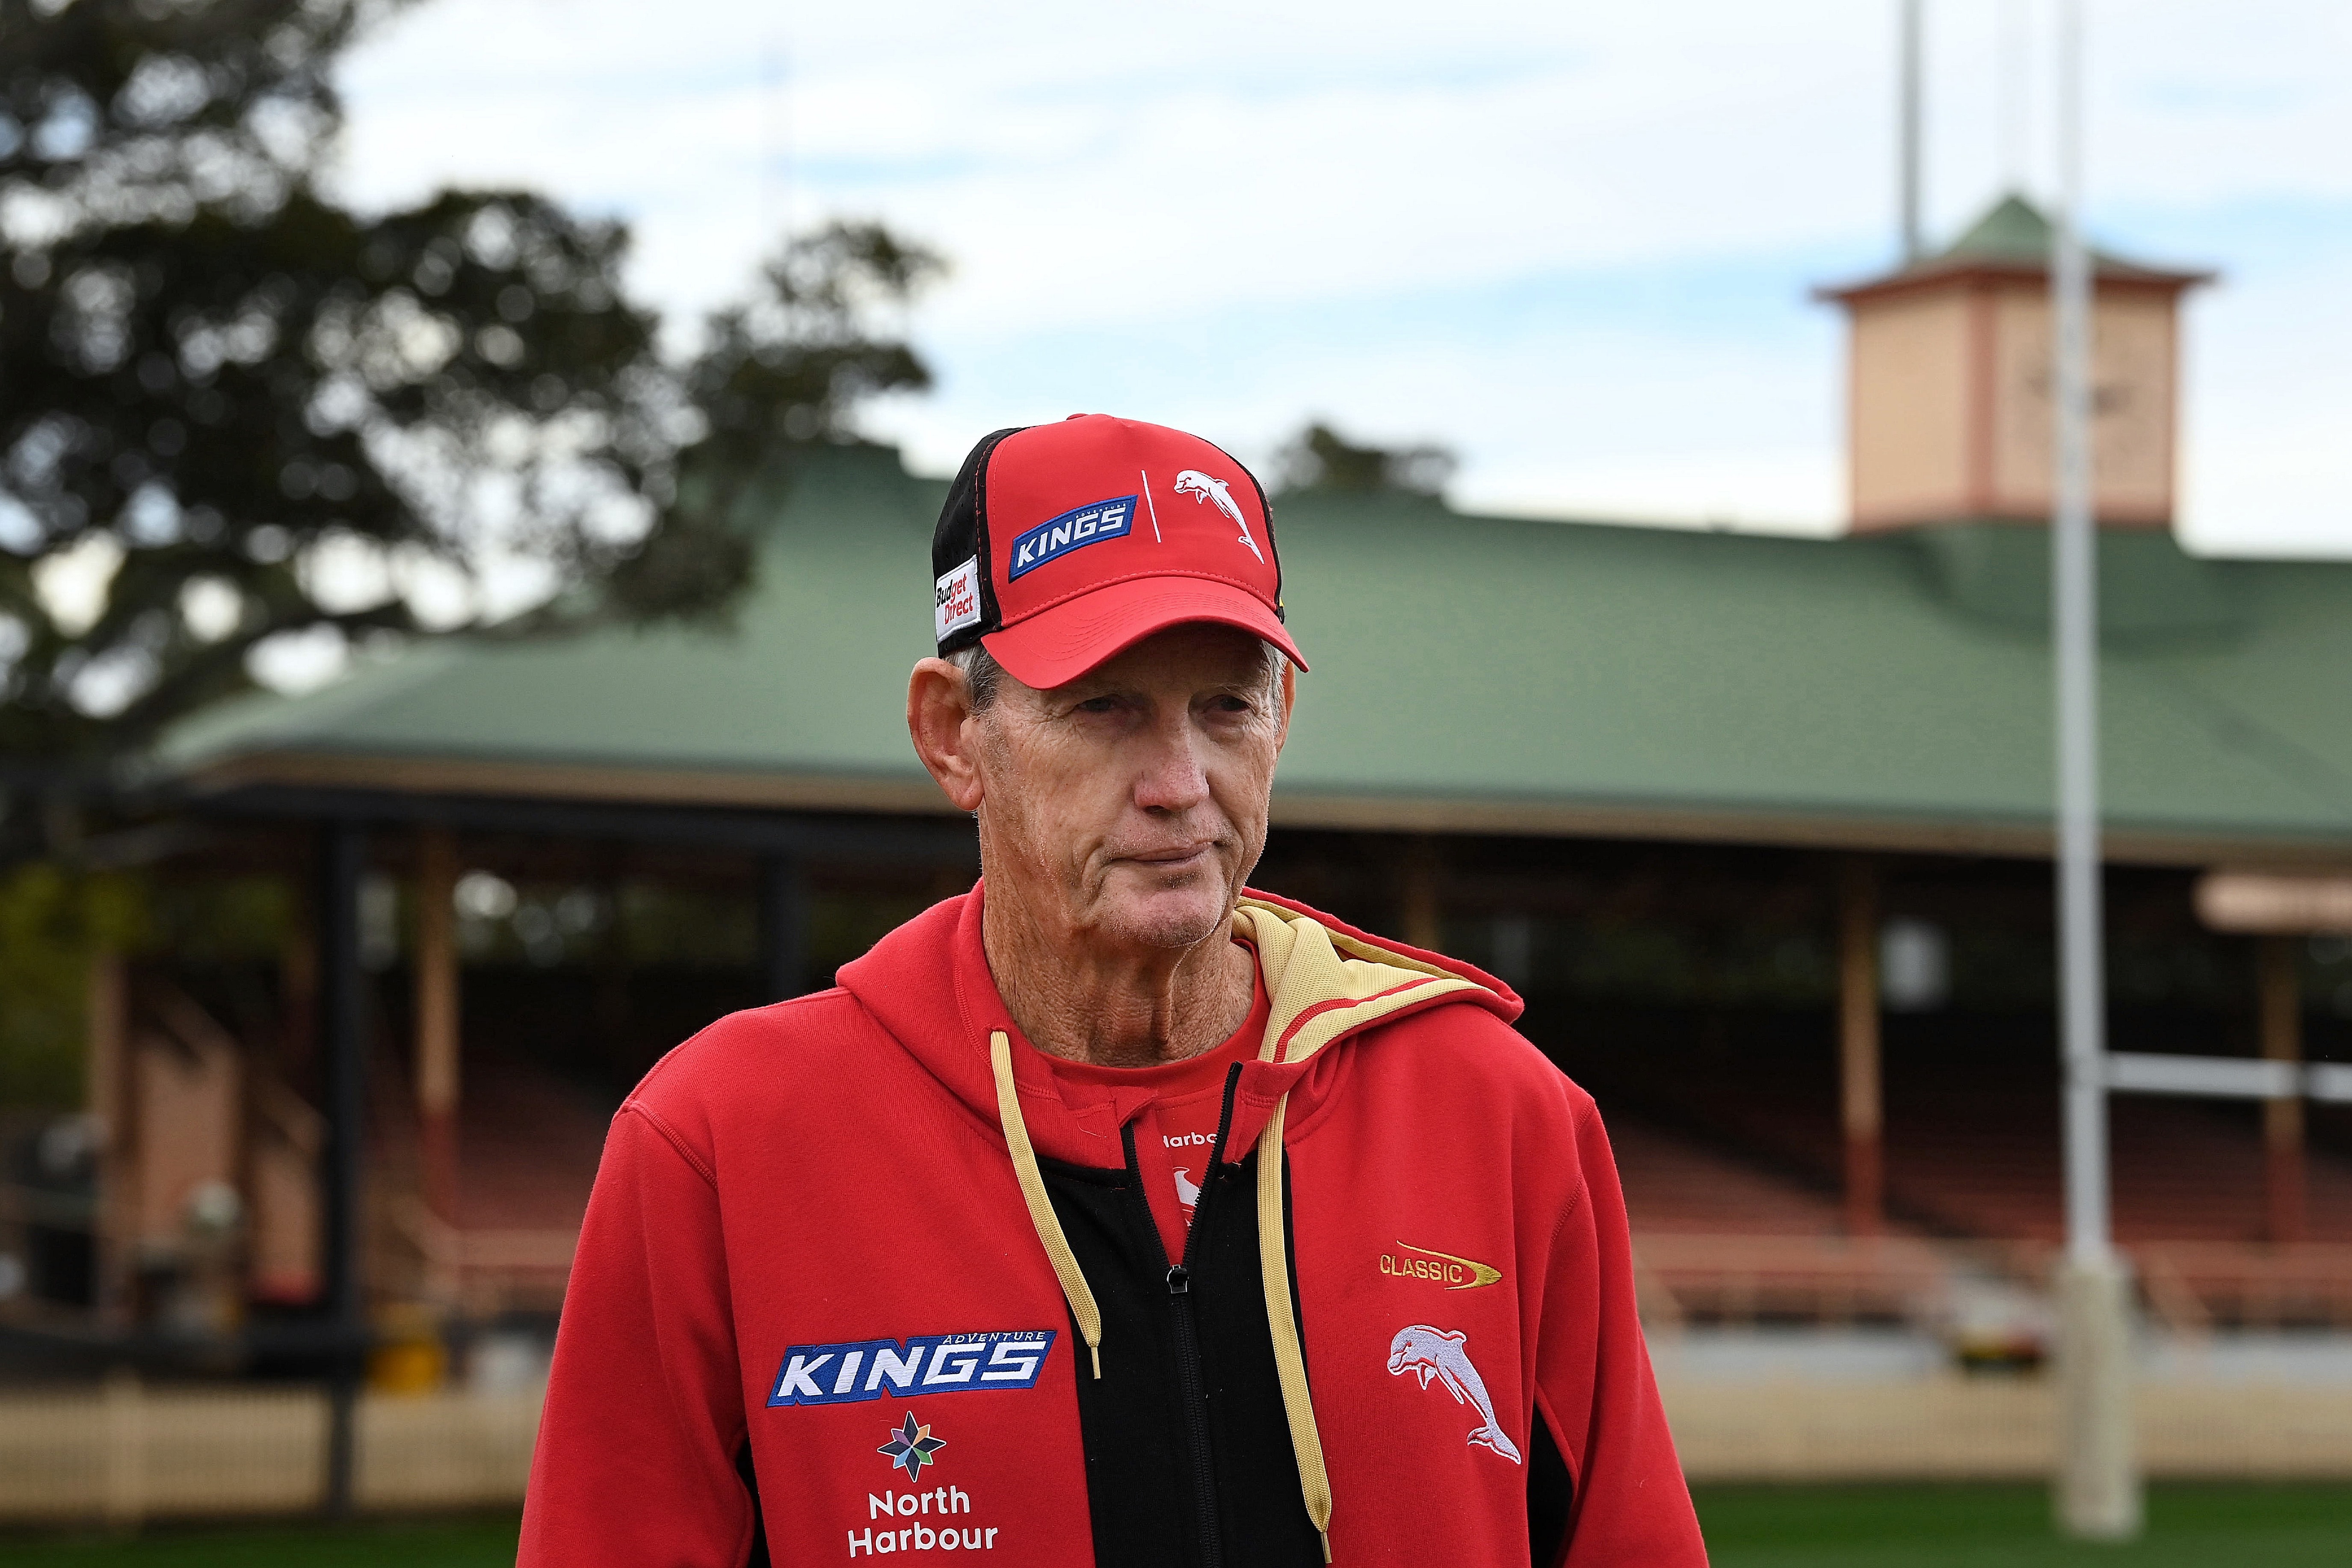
(1128, 807)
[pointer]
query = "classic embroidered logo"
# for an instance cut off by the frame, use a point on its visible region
(911, 1447)
(1443, 1354)
(1438, 1267)
(1057, 536)
(1208, 487)
(928, 1363)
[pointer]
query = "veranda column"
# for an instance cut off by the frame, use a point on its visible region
(1860, 1098)
(343, 1050)
(106, 1066)
(1423, 923)
(2282, 1016)
(438, 1038)
(783, 894)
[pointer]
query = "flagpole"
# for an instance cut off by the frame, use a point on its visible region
(2098, 1483)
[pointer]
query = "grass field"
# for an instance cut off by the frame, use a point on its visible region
(2009, 1527)
(1747, 1527)
(486, 1542)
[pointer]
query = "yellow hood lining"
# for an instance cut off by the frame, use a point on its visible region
(1343, 983)
(1322, 985)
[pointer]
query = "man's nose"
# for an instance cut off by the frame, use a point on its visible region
(1173, 779)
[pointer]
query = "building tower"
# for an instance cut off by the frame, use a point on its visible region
(1949, 384)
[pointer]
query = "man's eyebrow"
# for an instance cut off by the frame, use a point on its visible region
(1086, 689)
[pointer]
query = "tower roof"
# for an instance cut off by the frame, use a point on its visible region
(2010, 239)
(2012, 229)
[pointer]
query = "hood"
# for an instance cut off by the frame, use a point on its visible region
(929, 984)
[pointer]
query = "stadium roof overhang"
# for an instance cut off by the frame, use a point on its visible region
(1473, 674)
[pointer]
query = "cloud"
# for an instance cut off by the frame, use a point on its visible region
(1573, 242)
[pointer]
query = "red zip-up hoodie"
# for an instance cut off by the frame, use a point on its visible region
(856, 1282)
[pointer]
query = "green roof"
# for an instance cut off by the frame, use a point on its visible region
(2014, 232)
(2012, 237)
(2013, 229)
(1471, 673)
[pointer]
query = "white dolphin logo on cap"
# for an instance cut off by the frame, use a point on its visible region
(1209, 487)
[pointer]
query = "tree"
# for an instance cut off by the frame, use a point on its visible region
(249, 413)
(787, 370)
(52, 921)
(1319, 458)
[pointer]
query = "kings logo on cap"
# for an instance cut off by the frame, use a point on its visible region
(1059, 536)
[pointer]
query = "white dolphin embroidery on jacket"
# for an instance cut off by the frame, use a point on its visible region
(1436, 1352)
(1209, 487)
(1188, 1192)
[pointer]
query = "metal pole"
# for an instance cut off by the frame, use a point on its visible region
(2098, 1482)
(1908, 175)
(2014, 94)
(2074, 613)
(342, 851)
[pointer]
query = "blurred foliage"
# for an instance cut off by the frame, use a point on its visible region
(632, 922)
(1992, 966)
(221, 920)
(790, 367)
(52, 922)
(2327, 971)
(247, 414)
(642, 924)
(1319, 459)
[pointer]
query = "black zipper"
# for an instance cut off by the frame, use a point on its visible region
(1192, 1381)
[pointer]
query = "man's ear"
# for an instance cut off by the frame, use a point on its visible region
(939, 716)
(1289, 701)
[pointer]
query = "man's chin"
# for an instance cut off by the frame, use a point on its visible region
(1175, 917)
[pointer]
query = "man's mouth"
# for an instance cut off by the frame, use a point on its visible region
(1175, 857)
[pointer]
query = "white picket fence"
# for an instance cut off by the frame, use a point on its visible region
(1953, 1427)
(125, 1452)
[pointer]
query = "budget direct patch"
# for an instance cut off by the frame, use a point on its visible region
(1079, 527)
(860, 1370)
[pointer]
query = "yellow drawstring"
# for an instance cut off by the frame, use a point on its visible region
(1290, 1360)
(1273, 1266)
(1041, 1207)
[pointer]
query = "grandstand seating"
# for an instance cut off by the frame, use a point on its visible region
(1730, 1175)
(1971, 1159)
(528, 1147)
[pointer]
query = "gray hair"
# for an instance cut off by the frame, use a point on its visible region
(983, 676)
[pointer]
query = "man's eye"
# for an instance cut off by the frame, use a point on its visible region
(1099, 705)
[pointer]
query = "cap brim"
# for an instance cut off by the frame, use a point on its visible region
(1056, 645)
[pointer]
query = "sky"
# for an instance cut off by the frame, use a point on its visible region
(1574, 243)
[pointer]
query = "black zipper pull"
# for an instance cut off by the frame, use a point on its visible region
(1180, 1281)
(1225, 1118)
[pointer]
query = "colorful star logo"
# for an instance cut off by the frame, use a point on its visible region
(911, 1447)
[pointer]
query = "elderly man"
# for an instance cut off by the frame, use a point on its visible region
(1111, 1213)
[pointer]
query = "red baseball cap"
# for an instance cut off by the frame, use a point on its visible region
(1063, 545)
